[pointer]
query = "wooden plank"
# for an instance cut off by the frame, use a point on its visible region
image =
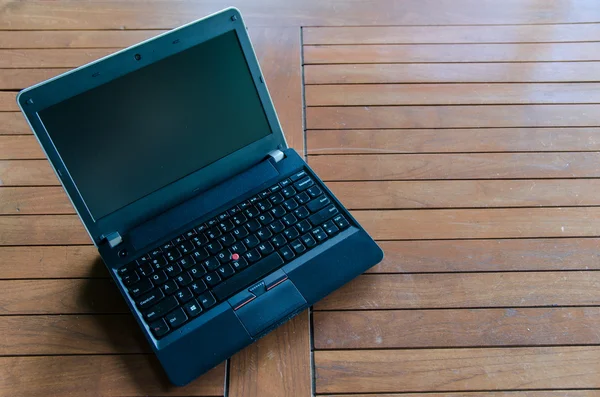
(466, 194)
(465, 290)
(51, 262)
(51, 58)
(349, 117)
(527, 393)
(440, 53)
(105, 375)
(60, 296)
(13, 123)
(456, 328)
(450, 94)
(17, 147)
(77, 38)
(456, 166)
(34, 200)
(17, 79)
(42, 230)
(274, 366)
(488, 255)
(481, 223)
(8, 102)
(543, 72)
(71, 334)
(450, 34)
(457, 369)
(453, 140)
(27, 173)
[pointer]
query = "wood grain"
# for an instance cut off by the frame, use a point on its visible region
(106, 375)
(439, 53)
(528, 393)
(42, 230)
(27, 173)
(13, 123)
(34, 200)
(466, 290)
(488, 255)
(77, 38)
(71, 334)
(456, 328)
(453, 140)
(51, 262)
(62, 296)
(457, 369)
(17, 147)
(50, 58)
(466, 194)
(450, 94)
(481, 223)
(488, 116)
(8, 102)
(456, 166)
(542, 72)
(450, 34)
(17, 79)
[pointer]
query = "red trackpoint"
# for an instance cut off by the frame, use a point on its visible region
(235, 257)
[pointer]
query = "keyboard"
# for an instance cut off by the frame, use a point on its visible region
(185, 277)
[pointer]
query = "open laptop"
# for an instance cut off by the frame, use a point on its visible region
(213, 230)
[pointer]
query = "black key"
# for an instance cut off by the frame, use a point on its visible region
(285, 182)
(314, 191)
(212, 279)
(199, 240)
(161, 308)
(253, 225)
(184, 279)
(303, 184)
(226, 226)
(318, 203)
(198, 287)
(264, 234)
(264, 205)
(197, 271)
(178, 240)
(303, 198)
(225, 271)
(291, 233)
(176, 318)
(211, 263)
(277, 198)
(323, 215)
(252, 211)
(201, 228)
(173, 254)
(298, 175)
(213, 233)
(224, 256)
(131, 266)
(159, 262)
(251, 241)
(170, 287)
(207, 300)
(308, 240)
(290, 204)
(234, 210)
(277, 226)
(241, 232)
(192, 308)
(200, 255)
(173, 270)
(278, 241)
(341, 222)
(302, 212)
(239, 264)
(248, 276)
(150, 299)
(290, 219)
(289, 192)
(214, 247)
(223, 216)
(254, 199)
(189, 235)
(238, 248)
(167, 246)
(159, 277)
(265, 248)
(212, 222)
(266, 218)
(330, 228)
(187, 262)
(298, 246)
(146, 269)
(186, 247)
(287, 253)
(239, 219)
(154, 253)
(252, 255)
(142, 287)
(275, 188)
(278, 211)
(159, 328)
(184, 295)
(227, 239)
(304, 226)
(265, 193)
(319, 234)
(244, 205)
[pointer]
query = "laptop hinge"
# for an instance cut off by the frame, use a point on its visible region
(277, 155)
(113, 239)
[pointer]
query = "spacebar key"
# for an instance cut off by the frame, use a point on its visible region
(248, 276)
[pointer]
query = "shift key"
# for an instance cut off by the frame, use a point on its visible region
(323, 215)
(161, 308)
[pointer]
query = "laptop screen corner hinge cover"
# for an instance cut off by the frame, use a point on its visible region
(113, 239)
(277, 155)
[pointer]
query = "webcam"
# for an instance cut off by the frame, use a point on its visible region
(137, 57)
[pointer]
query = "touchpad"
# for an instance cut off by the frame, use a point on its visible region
(269, 305)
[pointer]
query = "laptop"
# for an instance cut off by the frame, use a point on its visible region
(213, 230)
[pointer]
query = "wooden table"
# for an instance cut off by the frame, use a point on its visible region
(463, 134)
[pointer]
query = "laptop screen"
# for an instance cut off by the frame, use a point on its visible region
(138, 133)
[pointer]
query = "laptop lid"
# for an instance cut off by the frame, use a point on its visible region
(135, 133)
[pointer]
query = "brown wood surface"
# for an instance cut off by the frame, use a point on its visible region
(29, 262)
(17, 79)
(545, 393)
(12, 123)
(34, 200)
(17, 147)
